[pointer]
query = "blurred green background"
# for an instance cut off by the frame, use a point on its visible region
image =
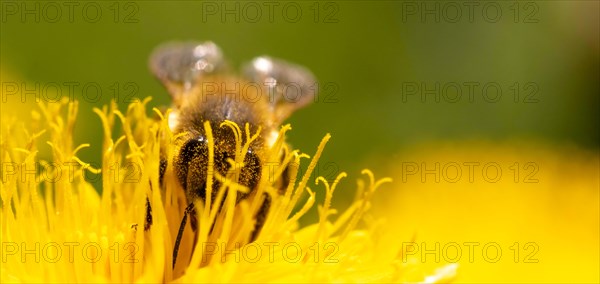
(373, 51)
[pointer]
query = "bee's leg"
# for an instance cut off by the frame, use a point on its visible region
(161, 170)
(261, 216)
(161, 173)
(188, 210)
(285, 180)
(193, 219)
(148, 221)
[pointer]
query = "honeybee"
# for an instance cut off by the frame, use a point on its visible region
(267, 92)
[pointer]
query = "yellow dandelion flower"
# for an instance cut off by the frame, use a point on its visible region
(517, 211)
(57, 228)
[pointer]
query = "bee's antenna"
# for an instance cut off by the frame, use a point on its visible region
(187, 211)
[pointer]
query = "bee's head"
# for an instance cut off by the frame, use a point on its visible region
(192, 163)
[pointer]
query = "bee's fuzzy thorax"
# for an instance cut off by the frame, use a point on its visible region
(218, 99)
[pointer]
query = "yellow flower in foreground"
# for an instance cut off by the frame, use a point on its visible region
(57, 228)
(511, 212)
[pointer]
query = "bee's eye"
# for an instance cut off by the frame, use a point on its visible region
(191, 165)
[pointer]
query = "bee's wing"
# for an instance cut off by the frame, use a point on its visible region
(179, 65)
(289, 86)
